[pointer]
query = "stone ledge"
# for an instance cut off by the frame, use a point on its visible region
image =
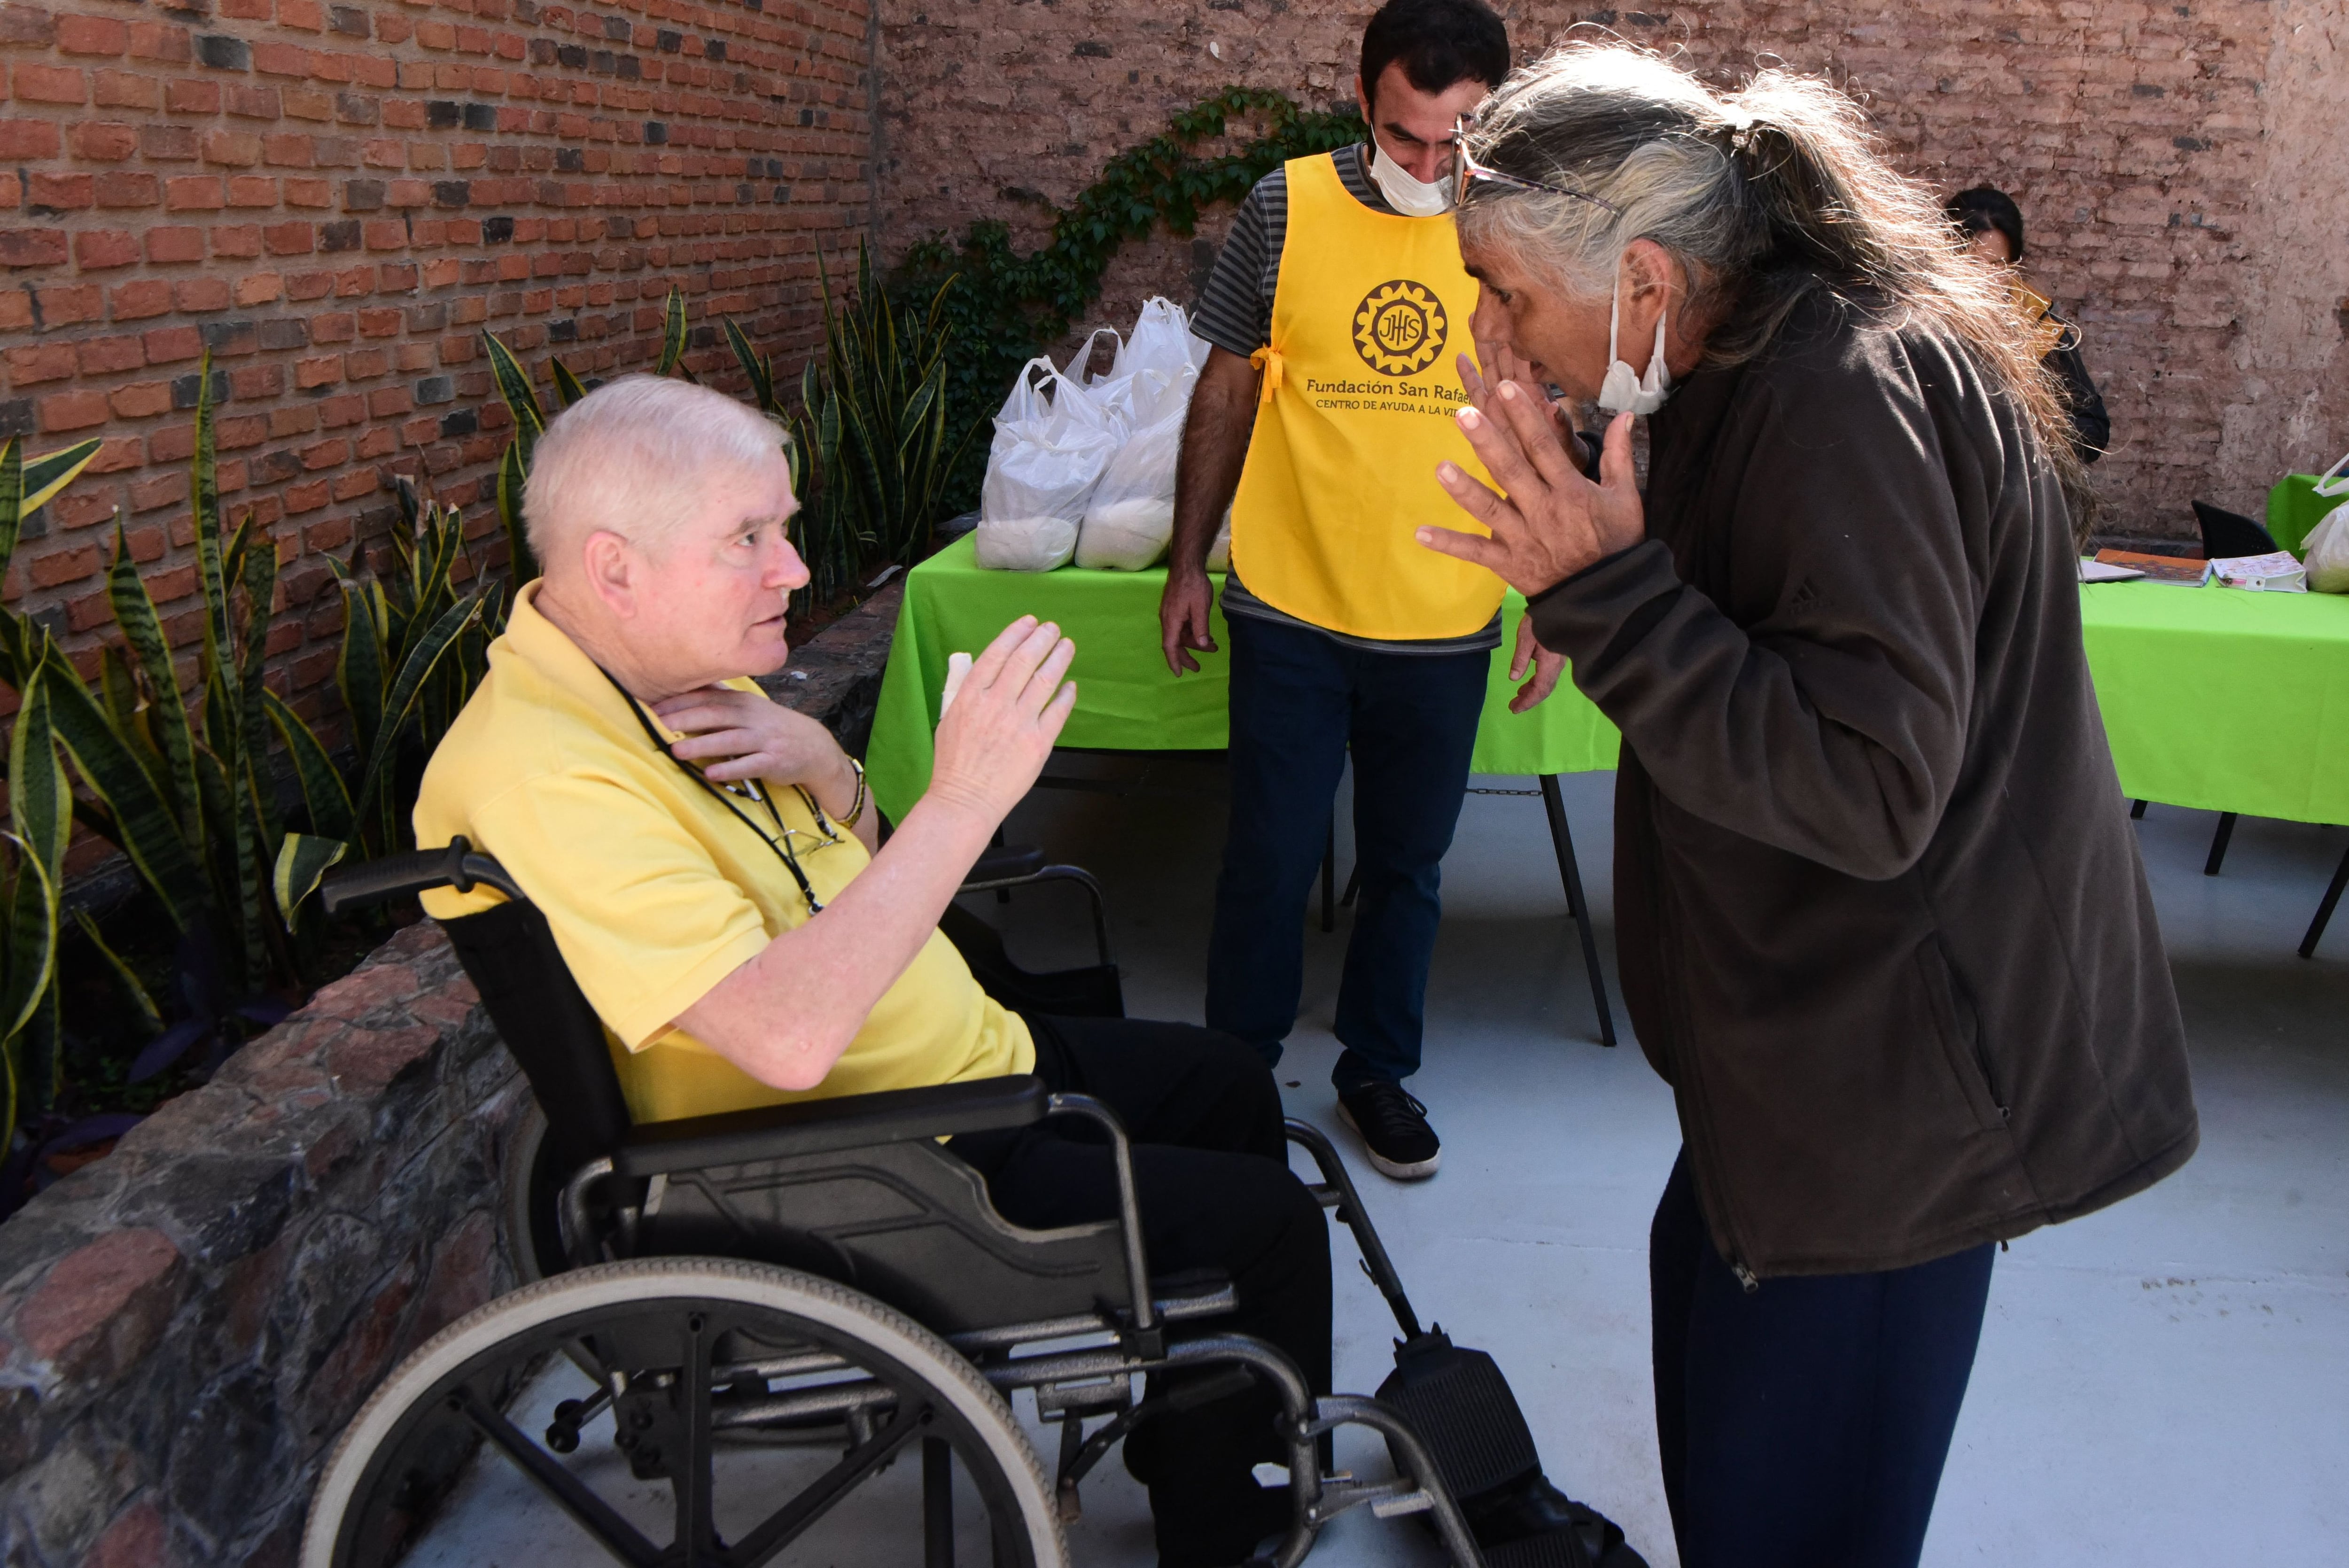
(186, 1325)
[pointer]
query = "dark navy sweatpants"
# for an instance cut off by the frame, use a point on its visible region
(1803, 1424)
(1300, 699)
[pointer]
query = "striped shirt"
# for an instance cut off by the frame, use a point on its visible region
(1235, 313)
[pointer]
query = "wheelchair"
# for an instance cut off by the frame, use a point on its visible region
(750, 1316)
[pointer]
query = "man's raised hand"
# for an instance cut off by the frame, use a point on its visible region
(993, 740)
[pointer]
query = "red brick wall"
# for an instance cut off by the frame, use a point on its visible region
(2178, 165)
(337, 199)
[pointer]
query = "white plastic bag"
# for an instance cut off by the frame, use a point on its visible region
(1131, 515)
(1161, 340)
(1219, 553)
(2325, 551)
(1113, 390)
(2334, 479)
(1048, 455)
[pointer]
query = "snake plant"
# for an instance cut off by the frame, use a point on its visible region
(40, 806)
(414, 647)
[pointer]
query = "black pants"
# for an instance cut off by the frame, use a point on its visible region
(1211, 1171)
(1300, 701)
(1803, 1424)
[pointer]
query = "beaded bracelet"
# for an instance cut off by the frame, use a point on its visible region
(856, 807)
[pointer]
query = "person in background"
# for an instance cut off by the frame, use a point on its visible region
(1882, 921)
(1993, 225)
(1333, 313)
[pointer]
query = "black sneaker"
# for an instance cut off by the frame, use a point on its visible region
(1394, 1128)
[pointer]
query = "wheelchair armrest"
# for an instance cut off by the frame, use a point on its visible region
(824, 1126)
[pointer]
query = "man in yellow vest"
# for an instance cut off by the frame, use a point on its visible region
(1336, 312)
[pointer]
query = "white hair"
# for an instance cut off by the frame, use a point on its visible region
(631, 458)
(1766, 196)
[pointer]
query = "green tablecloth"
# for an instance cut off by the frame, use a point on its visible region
(2212, 697)
(2225, 700)
(1126, 699)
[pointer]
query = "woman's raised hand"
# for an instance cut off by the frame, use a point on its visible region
(1549, 522)
(994, 738)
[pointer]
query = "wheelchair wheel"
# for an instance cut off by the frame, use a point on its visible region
(679, 1410)
(530, 1197)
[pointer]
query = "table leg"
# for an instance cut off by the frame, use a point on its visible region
(1561, 837)
(2325, 910)
(2219, 843)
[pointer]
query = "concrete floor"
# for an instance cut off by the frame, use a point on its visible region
(2166, 1381)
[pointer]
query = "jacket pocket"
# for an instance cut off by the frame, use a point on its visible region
(1960, 1035)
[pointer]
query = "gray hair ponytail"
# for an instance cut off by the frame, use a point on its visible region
(1763, 196)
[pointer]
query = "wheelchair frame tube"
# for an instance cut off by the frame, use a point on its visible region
(1338, 1181)
(1076, 874)
(1129, 1207)
(576, 1227)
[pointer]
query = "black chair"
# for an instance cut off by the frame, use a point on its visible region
(2230, 534)
(821, 1281)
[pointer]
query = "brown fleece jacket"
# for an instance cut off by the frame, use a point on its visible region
(1882, 923)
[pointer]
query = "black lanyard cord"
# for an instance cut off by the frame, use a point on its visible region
(780, 846)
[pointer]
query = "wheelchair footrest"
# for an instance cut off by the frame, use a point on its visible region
(1457, 1401)
(1593, 1541)
(1464, 1411)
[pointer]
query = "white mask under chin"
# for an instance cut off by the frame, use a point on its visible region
(1411, 198)
(1623, 392)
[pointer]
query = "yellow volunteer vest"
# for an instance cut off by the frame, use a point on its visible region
(1360, 386)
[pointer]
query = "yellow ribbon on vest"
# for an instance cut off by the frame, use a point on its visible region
(1360, 386)
(1267, 363)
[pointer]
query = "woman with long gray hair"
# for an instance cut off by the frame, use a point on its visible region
(1881, 918)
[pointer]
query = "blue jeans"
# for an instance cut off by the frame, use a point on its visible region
(1807, 1421)
(1298, 701)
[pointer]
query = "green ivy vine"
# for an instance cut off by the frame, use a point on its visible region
(1005, 307)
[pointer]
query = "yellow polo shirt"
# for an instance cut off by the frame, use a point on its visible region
(655, 892)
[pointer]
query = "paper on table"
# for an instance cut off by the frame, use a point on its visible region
(2274, 572)
(2105, 572)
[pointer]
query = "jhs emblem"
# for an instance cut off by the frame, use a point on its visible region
(1399, 328)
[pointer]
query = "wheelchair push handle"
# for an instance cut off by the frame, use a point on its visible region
(454, 864)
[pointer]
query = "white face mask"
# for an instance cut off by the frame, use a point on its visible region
(1622, 392)
(1411, 198)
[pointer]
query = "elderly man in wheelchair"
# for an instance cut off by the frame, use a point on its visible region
(818, 1190)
